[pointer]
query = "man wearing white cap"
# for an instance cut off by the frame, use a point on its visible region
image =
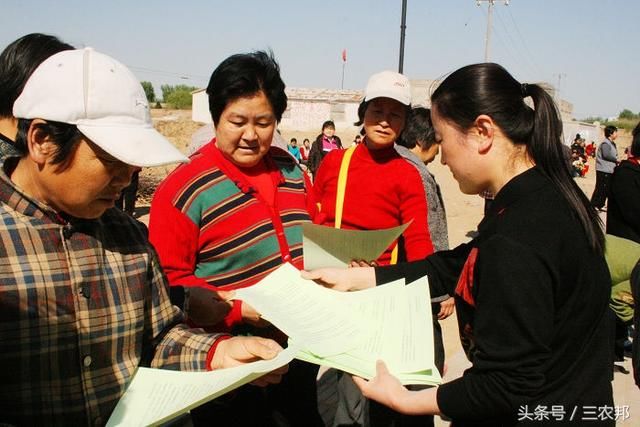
(83, 300)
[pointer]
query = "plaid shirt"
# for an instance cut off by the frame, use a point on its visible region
(83, 303)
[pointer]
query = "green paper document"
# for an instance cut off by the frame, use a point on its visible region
(155, 396)
(400, 333)
(350, 331)
(335, 247)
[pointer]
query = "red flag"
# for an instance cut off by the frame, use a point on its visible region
(344, 55)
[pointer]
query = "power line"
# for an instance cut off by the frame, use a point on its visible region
(516, 54)
(519, 34)
(182, 76)
(523, 55)
(487, 38)
(528, 54)
(503, 43)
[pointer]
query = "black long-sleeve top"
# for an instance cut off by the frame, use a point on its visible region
(531, 298)
(623, 216)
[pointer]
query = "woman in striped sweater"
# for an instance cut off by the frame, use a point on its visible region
(227, 219)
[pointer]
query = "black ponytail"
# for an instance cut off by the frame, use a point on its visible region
(546, 149)
(489, 89)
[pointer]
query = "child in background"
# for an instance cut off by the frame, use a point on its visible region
(294, 150)
(304, 151)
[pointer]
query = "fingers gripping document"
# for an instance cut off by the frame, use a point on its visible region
(155, 396)
(351, 330)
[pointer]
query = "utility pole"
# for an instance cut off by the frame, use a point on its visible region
(557, 91)
(487, 37)
(403, 26)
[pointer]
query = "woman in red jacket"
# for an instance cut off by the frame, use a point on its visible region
(370, 186)
(382, 190)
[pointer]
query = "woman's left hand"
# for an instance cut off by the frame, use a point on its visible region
(387, 389)
(446, 308)
(383, 388)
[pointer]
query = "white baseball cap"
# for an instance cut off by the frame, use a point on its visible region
(103, 99)
(388, 84)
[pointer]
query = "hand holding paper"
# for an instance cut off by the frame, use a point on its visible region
(240, 350)
(383, 388)
(155, 396)
(343, 279)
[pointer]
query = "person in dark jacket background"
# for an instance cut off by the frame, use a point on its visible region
(326, 142)
(623, 217)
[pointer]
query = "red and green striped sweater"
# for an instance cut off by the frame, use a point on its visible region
(211, 228)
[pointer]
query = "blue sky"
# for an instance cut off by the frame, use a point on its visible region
(590, 44)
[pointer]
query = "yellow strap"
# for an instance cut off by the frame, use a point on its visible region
(342, 184)
(394, 255)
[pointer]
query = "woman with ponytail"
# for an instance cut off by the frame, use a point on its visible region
(532, 288)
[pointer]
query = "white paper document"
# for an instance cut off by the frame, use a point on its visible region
(155, 396)
(352, 330)
(305, 311)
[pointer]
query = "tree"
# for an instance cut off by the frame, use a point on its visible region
(148, 91)
(166, 91)
(179, 99)
(627, 114)
(592, 119)
(178, 96)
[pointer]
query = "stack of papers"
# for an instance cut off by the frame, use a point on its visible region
(156, 396)
(350, 331)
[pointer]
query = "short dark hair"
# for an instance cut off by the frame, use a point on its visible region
(610, 130)
(246, 74)
(362, 108)
(418, 129)
(65, 136)
(328, 124)
(293, 140)
(19, 60)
